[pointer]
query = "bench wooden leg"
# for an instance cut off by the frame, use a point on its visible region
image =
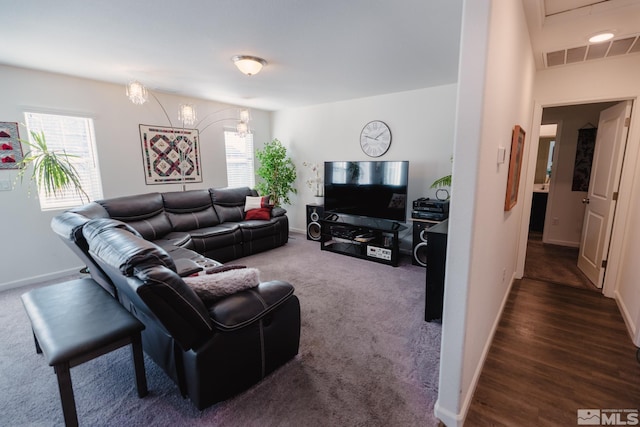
(66, 395)
(138, 363)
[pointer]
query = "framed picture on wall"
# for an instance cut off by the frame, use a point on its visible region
(10, 148)
(170, 155)
(515, 166)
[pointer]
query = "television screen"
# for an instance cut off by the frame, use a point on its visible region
(376, 189)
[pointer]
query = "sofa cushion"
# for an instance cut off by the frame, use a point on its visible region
(229, 202)
(213, 286)
(144, 212)
(91, 210)
(261, 213)
(121, 247)
(175, 238)
(230, 213)
(188, 210)
(231, 196)
(222, 235)
(257, 202)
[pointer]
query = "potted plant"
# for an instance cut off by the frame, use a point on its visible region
(277, 172)
(53, 172)
(444, 181)
(316, 183)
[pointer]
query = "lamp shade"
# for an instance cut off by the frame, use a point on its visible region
(249, 65)
(242, 129)
(187, 114)
(137, 93)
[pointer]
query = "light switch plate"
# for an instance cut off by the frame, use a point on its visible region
(502, 153)
(5, 185)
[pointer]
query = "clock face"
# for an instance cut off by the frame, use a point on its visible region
(375, 138)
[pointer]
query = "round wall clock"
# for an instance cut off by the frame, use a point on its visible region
(375, 138)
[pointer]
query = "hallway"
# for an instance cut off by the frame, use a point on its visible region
(557, 349)
(554, 264)
(560, 346)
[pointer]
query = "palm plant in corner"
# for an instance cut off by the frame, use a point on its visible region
(277, 172)
(444, 181)
(53, 171)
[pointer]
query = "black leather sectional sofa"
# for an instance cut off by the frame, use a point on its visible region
(140, 247)
(206, 222)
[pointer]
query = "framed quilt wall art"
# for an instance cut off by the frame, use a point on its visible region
(170, 155)
(10, 147)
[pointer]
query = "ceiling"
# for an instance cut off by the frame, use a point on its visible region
(317, 51)
(560, 29)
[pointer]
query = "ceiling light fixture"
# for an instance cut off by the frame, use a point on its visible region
(137, 93)
(601, 37)
(249, 65)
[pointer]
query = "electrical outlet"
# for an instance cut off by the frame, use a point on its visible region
(5, 185)
(504, 274)
(555, 220)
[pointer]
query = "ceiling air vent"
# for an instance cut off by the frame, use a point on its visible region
(622, 46)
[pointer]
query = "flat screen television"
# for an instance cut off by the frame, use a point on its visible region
(375, 189)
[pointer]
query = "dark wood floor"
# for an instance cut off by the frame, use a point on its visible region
(555, 264)
(557, 349)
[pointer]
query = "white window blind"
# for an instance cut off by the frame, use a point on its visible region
(239, 152)
(75, 136)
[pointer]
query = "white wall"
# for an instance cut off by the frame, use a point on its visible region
(565, 210)
(495, 93)
(421, 123)
(30, 250)
(616, 79)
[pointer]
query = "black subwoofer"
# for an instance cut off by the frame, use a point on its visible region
(314, 215)
(419, 246)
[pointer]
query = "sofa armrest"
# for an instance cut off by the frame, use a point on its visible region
(246, 307)
(186, 267)
(278, 211)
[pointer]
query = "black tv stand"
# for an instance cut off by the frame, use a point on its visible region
(361, 237)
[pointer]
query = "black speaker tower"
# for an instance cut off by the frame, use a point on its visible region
(314, 215)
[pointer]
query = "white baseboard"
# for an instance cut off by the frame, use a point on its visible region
(632, 326)
(447, 417)
(297, 231)
(62, 273)
(562, 243)
(39, 279)
(458, 419)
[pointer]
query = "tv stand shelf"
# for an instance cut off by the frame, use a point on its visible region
(366, 238)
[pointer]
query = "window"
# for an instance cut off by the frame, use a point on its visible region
(239, 160)
(75, 136)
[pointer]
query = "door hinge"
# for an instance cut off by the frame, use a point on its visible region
(627, 122)
(604, 263)
(615, 195)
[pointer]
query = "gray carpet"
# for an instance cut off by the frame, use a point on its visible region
(366, 358)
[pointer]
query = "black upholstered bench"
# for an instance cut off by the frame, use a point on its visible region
(76, 321)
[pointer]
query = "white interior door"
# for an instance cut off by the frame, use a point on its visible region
(600, 202)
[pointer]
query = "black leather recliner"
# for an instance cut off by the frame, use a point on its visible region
(211, 351)
(138, 247)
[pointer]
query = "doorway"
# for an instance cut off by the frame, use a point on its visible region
(552, 253)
